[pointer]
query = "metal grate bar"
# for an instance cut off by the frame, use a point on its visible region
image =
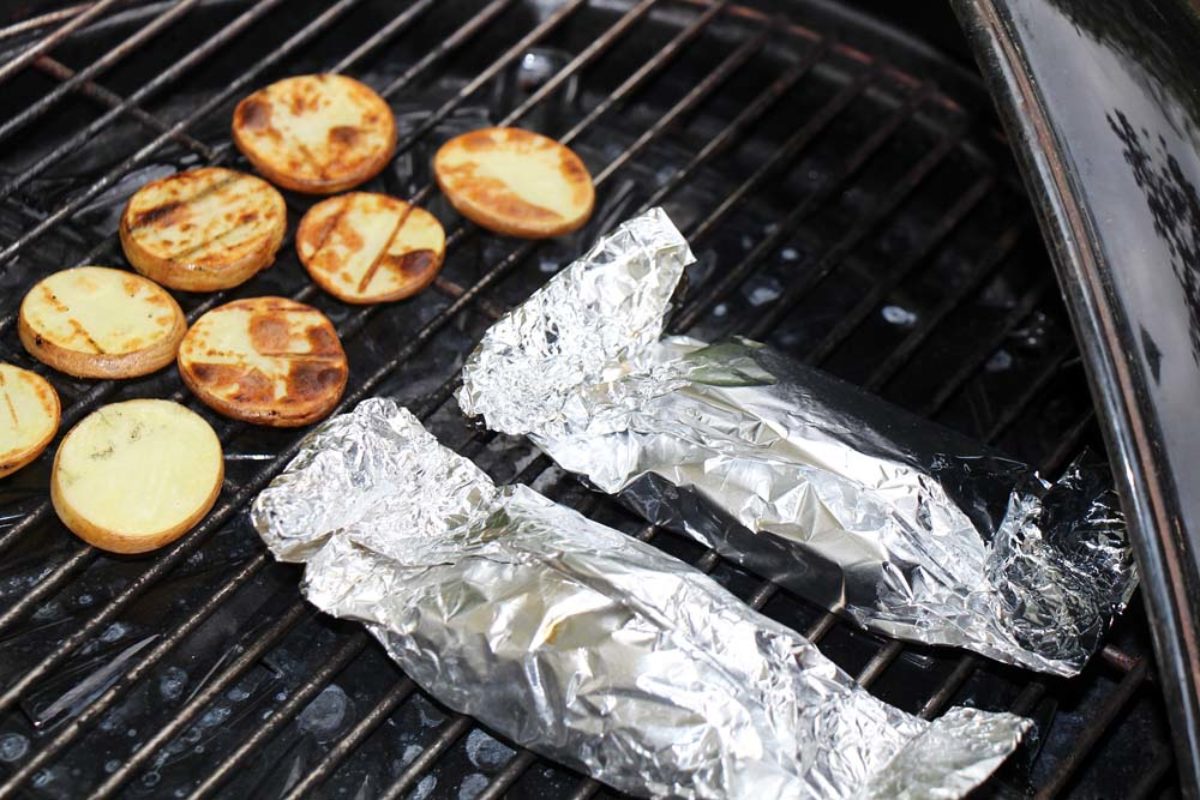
(747, 117)
(211, 690)
(318, 25)
(1031, 390)
(378, 714)
(210, 46)
(857, 233)
(849, 322)
(447, 45)
(1097, 726)
(97, 707)
(1025, 306)
(896, 359)
(54, 39)
(791, 148)
(1070, 441)
(644, 72)
(284, 714)
(43, 20)
(94, 91)
(100, 65)
(730, 64)
(940, 699)
(585, 57)
(786, 227)
(547, 25)
(453, 731)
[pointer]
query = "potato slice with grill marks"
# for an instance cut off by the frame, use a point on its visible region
(204, 229)
(370, 248)
(266, 360)
(97, 322)
(134, 476)
(515, 182)
(315, 133)
(29, 416)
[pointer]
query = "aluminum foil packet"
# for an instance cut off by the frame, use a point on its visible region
(587, 645)
(906, 527)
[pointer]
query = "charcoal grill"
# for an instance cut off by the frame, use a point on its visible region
(863, 216)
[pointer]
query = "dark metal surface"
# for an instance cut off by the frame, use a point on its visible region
(881, 236)
(1100, 99)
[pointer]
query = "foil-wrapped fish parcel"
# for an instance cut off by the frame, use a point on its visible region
(908, 528)
(587, 645)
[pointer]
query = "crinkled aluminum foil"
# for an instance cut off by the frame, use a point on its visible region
(908, 528)
(587, 645)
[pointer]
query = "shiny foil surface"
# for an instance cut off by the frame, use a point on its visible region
(586, 645)
(906, 527)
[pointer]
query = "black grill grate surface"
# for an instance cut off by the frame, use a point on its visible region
(850, 213)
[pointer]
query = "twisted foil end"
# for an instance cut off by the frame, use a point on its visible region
(606, 307)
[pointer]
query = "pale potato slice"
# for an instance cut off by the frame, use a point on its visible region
(134, 476)
(515, 182)
(266, 360)
(370, 248)
(29, 415)
(204, 229)
(315, 133)
(96, 322)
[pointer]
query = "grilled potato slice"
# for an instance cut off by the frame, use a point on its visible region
(317, 134)
(515, 182)
(266, 360)
(204, 229)
(370, 248)
(134, 476)
(29, 415)
(96, 322)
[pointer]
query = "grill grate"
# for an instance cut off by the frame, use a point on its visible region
(874, 144)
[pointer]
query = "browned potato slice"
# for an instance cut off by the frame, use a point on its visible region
(96, 322)
(315, 133)
(266, 360)
(204, 229)
(134, 476)
(370, 248)
(515, 182)
(29, 415)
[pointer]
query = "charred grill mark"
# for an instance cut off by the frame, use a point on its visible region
(168, 210)
(254, 114)
(82, 332)
(376, 262)
(344, 135)
(52, 300)
(153, 215)
(312, 380)
(327, 228)
(12, 410)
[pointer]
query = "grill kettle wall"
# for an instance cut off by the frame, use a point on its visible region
(1099, 100)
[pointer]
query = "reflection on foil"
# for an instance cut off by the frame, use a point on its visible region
(908, 528)
(584, 644)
